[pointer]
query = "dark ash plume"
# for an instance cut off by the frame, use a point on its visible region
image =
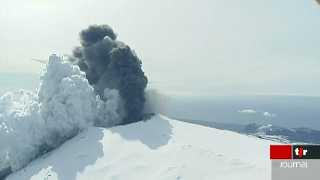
(109, 63)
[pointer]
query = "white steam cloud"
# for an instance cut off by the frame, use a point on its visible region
(32, 124)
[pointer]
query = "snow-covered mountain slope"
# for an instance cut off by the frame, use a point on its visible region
(157, 149)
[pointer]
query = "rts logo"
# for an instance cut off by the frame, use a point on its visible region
(300, 152)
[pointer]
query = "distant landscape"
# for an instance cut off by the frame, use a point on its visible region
(281, 110)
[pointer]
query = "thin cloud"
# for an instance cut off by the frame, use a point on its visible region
(247, 111)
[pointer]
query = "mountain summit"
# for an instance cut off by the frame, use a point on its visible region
(160, 148)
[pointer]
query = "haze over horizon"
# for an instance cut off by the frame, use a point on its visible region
(223, 46)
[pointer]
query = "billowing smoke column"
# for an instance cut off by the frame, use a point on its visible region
(111, 64)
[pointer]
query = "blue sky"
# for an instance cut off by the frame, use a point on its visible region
(215, 46)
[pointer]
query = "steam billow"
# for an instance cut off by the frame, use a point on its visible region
(102, 84)
(111, 64)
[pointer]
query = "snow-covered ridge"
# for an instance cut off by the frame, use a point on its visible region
(32, 124)
(160, 148)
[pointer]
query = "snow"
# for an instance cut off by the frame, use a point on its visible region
(65, 104)
(160, 148)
